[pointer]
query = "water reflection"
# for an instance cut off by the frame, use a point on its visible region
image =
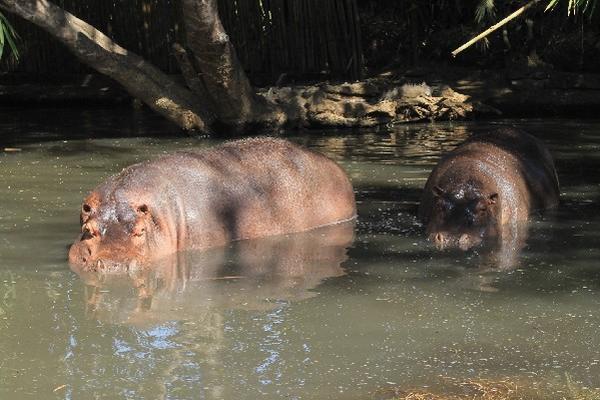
(181, 307)
(250, 274)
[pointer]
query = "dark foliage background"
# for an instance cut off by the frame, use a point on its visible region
(327, 39)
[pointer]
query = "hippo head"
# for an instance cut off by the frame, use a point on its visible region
(117, 234)
(463, 217)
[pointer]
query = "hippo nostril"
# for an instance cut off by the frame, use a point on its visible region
(438, 240)
(465, 242)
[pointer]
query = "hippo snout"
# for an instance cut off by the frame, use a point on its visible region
(81, 253)
(86, 255)
(104, 265)
(464, 241)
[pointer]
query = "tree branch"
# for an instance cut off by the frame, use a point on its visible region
(495, 27)
(138, 77)
(192, 78)
(233, 96)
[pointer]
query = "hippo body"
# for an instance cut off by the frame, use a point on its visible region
(200, 199)
(485, 189)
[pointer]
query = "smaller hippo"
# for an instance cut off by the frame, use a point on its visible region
(485, 189)
(194, 200)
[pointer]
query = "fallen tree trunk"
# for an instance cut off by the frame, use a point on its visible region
(138, 77)
(371, 103)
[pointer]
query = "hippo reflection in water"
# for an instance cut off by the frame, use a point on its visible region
(194, 200)
(484, 190)
(250, 274)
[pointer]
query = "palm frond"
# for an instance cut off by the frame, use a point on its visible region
(485, 10)
(8, 36)
(575, 7)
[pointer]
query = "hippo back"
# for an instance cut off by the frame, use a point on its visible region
(533, 161)
(244, 189)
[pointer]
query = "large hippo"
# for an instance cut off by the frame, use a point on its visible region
(200, 199)
(485, 189)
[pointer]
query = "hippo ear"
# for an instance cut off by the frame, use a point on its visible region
(438, 191)
(493, 198)
(143, 209)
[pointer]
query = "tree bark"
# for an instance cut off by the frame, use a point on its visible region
(235, 101)
(95, 49)
(192, 79)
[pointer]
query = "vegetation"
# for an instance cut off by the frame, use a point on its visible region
(575, 7)
(425, 33)
(7, 37)
(504, 389)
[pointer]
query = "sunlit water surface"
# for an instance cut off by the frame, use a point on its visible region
(292, 319)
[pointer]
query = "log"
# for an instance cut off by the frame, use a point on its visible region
(94, 48)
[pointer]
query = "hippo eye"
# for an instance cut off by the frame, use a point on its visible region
(438, 191)
(143, 209)
(445, 205)
(86, 208)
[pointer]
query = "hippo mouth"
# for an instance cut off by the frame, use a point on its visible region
(102, 265)
(85, 256)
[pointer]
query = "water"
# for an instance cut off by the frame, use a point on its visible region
(289, 317)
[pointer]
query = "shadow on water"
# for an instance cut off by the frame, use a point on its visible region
(21, 126)
(79, 148)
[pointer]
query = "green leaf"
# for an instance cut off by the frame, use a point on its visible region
(1, 40)
(7, 36)
(485, 8)
(574, 7)
(13, 46)
(551, 5)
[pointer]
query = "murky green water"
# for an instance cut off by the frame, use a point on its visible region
(293, 318)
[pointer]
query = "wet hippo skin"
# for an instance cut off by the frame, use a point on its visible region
(485, 189)
(200, 199)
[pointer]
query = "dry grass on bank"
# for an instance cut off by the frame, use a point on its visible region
(484, 389)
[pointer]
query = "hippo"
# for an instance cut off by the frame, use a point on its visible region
(484, 191)
(199, 199)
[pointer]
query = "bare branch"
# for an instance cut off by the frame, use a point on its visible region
(495, 27)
